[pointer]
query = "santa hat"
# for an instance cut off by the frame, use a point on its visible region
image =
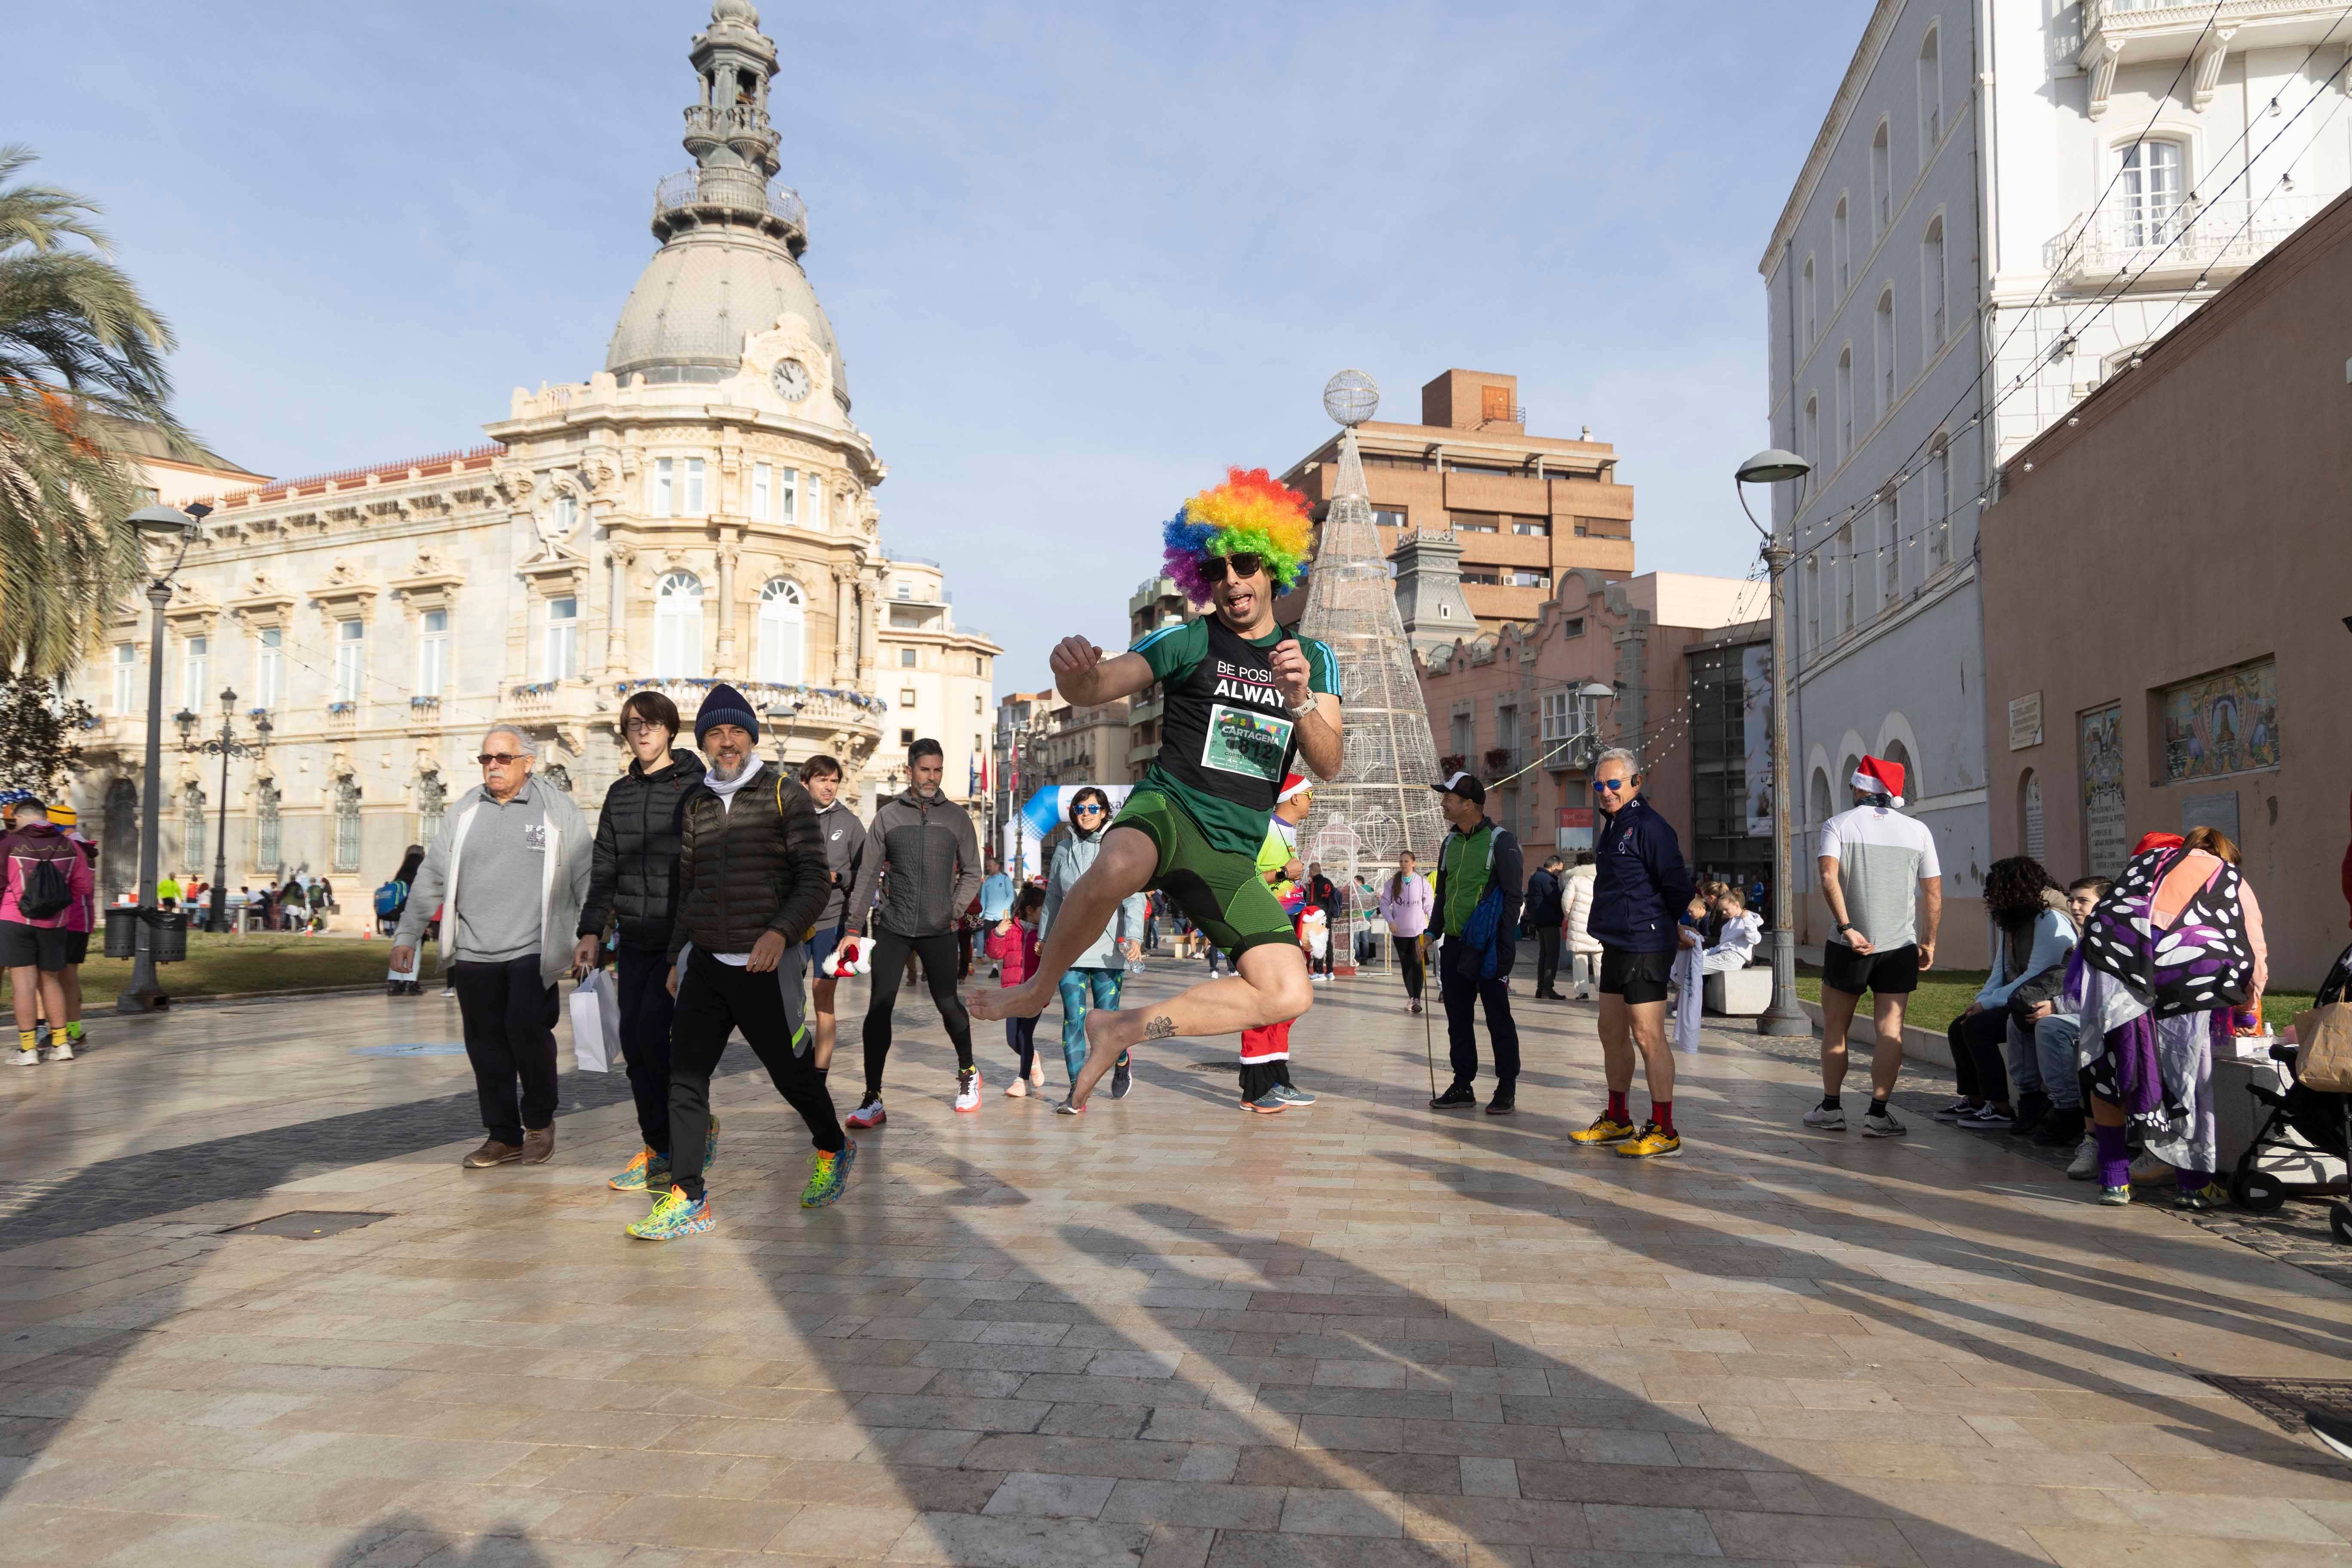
(2155, 841)
(1876, 775)
(1293, 786)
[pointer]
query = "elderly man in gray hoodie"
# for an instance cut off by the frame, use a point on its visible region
(508, 870)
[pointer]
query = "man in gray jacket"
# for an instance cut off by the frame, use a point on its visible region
(922, 852)
(508, 870)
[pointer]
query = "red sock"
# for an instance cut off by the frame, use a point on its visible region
(1618, 1109)
(1662, 1111)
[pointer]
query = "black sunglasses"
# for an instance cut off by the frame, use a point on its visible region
(1242, 563)
(501, 758)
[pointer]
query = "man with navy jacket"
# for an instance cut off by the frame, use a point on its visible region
(1640, 888)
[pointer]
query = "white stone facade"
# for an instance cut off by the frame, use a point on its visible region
(2005, 200)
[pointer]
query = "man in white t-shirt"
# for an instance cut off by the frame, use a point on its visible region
(1876, 866)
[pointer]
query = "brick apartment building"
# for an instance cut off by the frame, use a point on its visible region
(1525, 509)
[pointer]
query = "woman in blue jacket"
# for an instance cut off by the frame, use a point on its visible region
(2030, 935)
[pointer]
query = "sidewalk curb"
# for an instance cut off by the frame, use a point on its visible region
(307, 994)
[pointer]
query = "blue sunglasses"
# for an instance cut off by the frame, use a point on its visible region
(1612, 786)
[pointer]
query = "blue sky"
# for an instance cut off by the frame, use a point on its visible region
(1079, 256)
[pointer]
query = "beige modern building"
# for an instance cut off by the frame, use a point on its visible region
(1525, 509)
(1156, 602)
(701, 509)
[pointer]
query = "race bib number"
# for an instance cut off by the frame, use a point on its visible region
(1247, 742)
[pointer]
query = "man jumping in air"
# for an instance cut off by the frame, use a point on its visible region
(1243, 698)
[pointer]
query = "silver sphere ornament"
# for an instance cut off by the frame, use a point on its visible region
(1351, 397)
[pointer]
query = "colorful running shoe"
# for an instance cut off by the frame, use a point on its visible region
(2200, 1200)
(869, 1114)
(1655, 1143)
(675, 1215)
(1603, 1130)
(1270, 1103)
(649, 1171)
(967, 1090)
(2115, 1197)
(828, 1176)
(1291, 1094)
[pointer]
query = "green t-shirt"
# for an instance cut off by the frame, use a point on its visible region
(1226, 737)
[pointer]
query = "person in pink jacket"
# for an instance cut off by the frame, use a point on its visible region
(1013, 942)
(38, 860)
(1405, 904)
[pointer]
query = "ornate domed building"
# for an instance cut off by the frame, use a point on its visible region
(699, 509)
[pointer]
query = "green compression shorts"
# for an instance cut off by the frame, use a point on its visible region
(1219, 892)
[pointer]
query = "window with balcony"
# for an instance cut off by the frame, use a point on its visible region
(1881, 331)
(269, 671)
(125, 671)
(1845, 403)
(660, 481)
(2153, 179)
(783, 626)
(1931, 98)
(563, 638)
(351, 660)
(678, 628)
(1841, 253)
(196, 668)
(432, 652)
(1934, 284)
(1882, 184)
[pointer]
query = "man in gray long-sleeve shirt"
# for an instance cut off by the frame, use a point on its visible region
(523, 849)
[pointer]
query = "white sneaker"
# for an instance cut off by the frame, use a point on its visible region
(2087, 1160)
(1882, 1124)
(968, 1091)
(1828, 1119)
(2147, 1171)
(29, 1058)
(62, 1051)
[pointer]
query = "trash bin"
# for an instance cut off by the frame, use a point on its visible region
(123, 932)
(171, 940)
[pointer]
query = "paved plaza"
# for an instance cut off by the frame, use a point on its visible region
(1363, 1334)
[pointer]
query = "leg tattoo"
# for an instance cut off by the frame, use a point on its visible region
(1159, 1026)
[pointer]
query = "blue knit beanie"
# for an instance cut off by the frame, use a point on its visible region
(725, 705)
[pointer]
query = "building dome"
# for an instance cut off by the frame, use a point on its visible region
(698, 297)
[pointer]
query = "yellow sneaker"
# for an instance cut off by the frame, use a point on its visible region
(1603, 1130)
(1655, 1143)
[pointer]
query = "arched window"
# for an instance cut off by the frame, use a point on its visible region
(783, 626)
(1881, 182)
(1813, 430)
(1841, 252)
(1845, 403)
(1900, 754)
(1935, 282)
(1812, 317)
(677, 626)
(191, 826)
(1931, 98)
(347, 824)
(2029, 814)
(1883, 341)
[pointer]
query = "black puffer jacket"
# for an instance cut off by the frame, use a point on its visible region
(633, 873)
(756, 866)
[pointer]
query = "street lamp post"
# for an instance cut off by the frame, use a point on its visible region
(160, 523)
(225, 745)
(1783, 1016)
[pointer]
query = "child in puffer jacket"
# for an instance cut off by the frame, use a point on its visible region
(1014, 943)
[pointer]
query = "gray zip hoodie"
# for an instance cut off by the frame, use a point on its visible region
(508, 880)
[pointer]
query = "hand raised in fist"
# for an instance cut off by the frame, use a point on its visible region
(1073, 656)
(1290, 673)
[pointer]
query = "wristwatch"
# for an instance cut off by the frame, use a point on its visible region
(1848, 925)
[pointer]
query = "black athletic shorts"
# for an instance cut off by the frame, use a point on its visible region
(1893, 973)
(32, 947)
(1638, 977)
(77, 947)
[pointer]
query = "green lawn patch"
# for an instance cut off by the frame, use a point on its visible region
(232, 965)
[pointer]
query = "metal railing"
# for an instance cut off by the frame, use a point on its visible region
(737, 189)
(2234, 231)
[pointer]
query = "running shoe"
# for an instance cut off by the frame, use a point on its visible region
(648, 1170)
(2147, 1171)
(61, 1050)
(1882, 1124)
(1958, 1110)
(967, 1090)
(674, 1216)
(1655, 1143)
(29, 1057)
(869, 1114)
(2087, 1160)
(2200, 1200)
(1291, 1094)
(1603, 1130)
(828, 1176)
(1988, 1118)
(1270, 1103)
(1070, 1108)
(1505, 1102)
(1017, 1090)
(1460, 1097)
(1828, 1117)
(2115, 1197)
(1122, 1077)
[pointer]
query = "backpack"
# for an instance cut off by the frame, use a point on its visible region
(46, 892)
(389, 898)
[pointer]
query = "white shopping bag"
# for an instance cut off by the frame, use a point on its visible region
(595, 1023)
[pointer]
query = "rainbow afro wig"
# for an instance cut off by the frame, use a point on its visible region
(1251, 513)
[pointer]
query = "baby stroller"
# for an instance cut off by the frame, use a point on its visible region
(2301, 1120)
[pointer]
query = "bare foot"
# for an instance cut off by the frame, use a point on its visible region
(1020, 1002)
(1109, 1035)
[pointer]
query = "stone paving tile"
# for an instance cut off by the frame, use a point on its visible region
(1401, 1340)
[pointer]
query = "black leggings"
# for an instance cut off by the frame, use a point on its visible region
(1979, 1043)
(1021, 1034)
(938, 954)
(714, 1000)
(1408, 951)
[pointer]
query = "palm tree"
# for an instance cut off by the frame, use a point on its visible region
(79, 350)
